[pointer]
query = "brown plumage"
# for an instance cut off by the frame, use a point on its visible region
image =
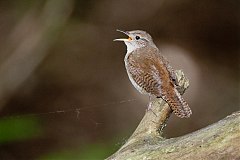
(151, 74)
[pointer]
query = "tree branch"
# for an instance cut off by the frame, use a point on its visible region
(213, 142)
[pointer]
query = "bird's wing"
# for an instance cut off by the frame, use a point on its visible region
(149, 72)
(170, 70)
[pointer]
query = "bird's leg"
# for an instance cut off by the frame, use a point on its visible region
(150, 105)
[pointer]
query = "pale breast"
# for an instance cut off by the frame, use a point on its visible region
(134, 83)
(146, 71)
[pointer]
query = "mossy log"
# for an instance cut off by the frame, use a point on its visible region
(220, 140)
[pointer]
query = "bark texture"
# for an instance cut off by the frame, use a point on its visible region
(220, 140)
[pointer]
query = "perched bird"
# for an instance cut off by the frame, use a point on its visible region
(150, 73)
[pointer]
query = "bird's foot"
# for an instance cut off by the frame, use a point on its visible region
(150, 109)
(149, 106)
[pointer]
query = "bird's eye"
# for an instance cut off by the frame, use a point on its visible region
(137, 37)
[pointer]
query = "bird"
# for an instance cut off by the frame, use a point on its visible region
(150, 73)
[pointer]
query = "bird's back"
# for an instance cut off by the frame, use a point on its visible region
(151, 74)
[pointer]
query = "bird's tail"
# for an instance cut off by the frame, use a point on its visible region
(178, 105)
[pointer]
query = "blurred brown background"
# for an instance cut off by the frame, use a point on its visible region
(58, 55)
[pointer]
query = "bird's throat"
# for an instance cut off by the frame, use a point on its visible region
(131, 47)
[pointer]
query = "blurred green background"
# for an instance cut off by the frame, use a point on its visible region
(64, 91)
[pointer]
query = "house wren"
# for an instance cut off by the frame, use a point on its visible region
(150, 73)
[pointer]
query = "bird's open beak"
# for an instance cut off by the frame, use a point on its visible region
(123, 39)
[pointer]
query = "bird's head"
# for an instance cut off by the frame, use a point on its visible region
(136, 39)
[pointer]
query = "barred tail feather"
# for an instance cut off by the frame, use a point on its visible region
(178, 105)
